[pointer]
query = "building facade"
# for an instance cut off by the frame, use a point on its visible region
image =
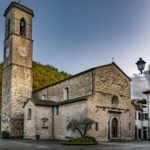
(141, 119)
(101, 93)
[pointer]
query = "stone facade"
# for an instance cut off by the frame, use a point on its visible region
(29, 124)
(17, 71)
(107, 92)
(110, 82)
(64, 115)
(34, 125)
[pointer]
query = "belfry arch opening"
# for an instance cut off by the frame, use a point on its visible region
(22, 27)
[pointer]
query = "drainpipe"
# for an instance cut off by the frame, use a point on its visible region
(53, 135)
(142, 122)
(93, 82)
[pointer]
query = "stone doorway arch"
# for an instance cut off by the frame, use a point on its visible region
(114, 128)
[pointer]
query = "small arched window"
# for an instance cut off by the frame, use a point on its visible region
(22, 27)
(29, 114)
(129, 125)
(66, 93)
(43, 97)
(114, 101)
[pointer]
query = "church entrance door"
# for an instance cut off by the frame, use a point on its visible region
(114, 128)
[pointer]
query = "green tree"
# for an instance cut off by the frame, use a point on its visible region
(81, 126)
(43, 75)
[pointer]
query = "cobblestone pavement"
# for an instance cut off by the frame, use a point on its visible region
(52, 145)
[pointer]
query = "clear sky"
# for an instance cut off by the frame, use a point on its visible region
(75, 35)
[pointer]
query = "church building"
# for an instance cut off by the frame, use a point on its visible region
(102, 93)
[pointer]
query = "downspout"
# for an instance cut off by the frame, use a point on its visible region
(53, 135)
(93, 82)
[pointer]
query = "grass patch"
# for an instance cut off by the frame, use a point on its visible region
(81, 141)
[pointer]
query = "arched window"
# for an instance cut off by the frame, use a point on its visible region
(22, 27)
(43, 97)
(29, 114)
(8, 27)
(66, 93)
(129, 125)
(96, 126)
(114, 101)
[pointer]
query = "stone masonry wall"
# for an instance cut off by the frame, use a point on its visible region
(67, 112)
(17, 87)
(29, 125)
(78, 86)
(21, 88)
(5, 110)
(41, 113)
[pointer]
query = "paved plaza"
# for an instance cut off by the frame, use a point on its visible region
(53, 145)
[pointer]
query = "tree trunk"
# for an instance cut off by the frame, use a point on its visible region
(79, 132)
(85, 130)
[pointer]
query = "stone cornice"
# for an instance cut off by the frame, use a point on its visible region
(19, 6)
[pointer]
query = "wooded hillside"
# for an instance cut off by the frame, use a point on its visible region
(43, 75)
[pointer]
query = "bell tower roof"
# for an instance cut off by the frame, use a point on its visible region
(19, 6)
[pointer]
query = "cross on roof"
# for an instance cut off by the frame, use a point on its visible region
(113, 59)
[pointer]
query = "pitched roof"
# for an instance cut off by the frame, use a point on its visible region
(39, 102)
(48, 103)
(91, 69)
(146, 92)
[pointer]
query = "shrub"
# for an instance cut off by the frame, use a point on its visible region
(81, 125)
(5, 134)
(91, 138)
(81, 141)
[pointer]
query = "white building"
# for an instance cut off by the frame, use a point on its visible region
(141, 119)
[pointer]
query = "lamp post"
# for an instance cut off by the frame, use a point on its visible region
(141, 65)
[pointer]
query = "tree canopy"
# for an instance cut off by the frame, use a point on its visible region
(43, 75)
(81, 125)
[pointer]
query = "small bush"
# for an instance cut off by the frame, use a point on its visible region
(81, 141)
(5, 134)
(91, 138)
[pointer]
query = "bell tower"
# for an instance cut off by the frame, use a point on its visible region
(17, 70)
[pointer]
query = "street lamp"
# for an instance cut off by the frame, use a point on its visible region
(140, 65)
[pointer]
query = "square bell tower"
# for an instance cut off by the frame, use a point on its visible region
(17, 70)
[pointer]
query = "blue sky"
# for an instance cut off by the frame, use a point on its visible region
(74, 35)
